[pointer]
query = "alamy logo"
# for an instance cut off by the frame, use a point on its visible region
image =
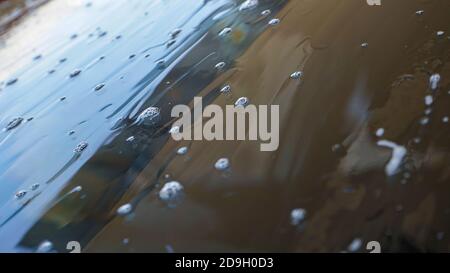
(229, 125)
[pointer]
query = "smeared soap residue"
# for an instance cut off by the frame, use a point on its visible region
(398, 153)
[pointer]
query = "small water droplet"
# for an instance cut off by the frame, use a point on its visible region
(174, 33)
(434, 81)
(274, 22)
(161, 64)
(220, 65)
(132, 56)
(355, 245)
(297, 216)
(130, 139)
(241, 102)
(296, 75)
(266, 12)
(99, 86)
(428, 100)
(222, 164)
(45, 247)
(225, 31)
(75, 73)
(20, 194)
(225, 89)
(379, 132)
(11, 81)
(248, 5)
(424, 120)
(174, 130)
(35, 186)
(14, 123)
(440, 33)
(420, 12)
(37, 57)
(364, 45)
(80, 147)
(124, 209)
(171, 42)
(182, 150)
(445, 119)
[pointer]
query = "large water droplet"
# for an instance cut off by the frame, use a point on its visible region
(171, 192)
(149, 116)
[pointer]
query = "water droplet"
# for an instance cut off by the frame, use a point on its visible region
(440, 33)
(225, 31)
(132, 56)
(296, 75)
(266, 12)
(297, 216)
(424, 121)
(274, 22)
(99, 86)
(11, 81)
(220, 65)
(37, 57)
(222, 164)
(364, 45)
(242, 102)
(171, 42)
(51, 71)
(130, 139)
(434, 81)
(182, 150)
(74, 36)
(20, 194)
(379, 132)
(124, 209)
(398, 153)
(149, 116)
(62, 60)
(45, 247)
(14, 123)
(248, 4)
(445, 119)
(225, 89)
(428, 111)
(161, 64)
(174, 33)
(75, 73)
(420, 12)
(80, 147)
(355, 245)
(35, 186)
(428, 100)
(125, 241)
(171, 191)
(174, 130)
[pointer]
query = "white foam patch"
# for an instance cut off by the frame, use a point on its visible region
(398, 153)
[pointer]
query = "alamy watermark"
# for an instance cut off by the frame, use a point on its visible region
(241, 121)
